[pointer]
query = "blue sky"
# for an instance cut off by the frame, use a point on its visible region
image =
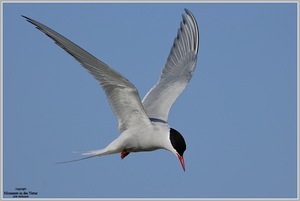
(238, 114)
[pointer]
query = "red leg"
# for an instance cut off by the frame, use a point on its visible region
(124, 154)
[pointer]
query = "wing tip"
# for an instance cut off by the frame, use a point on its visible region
(28, 19)
(25, 17)
(195, 24)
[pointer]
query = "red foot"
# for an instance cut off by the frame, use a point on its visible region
(124, 154)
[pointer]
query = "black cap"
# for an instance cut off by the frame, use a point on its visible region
(177, 141)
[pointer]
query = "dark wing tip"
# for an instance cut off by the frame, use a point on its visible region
(31, 21)
(187, 11)
(27, 18)
(194, 21)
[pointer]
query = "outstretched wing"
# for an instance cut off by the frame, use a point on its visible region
(122, 95)
(177, 72)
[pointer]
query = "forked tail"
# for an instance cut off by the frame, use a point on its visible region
(91, 154)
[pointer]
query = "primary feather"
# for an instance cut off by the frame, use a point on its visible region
(177, 72)
(122, 95)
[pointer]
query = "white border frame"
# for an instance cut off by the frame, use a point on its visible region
(146, 1)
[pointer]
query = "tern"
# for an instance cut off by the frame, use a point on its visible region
(142, 123)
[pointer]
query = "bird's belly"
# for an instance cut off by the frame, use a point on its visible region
(141, 148)
(143, 139)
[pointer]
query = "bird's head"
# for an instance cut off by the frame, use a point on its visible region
(178, 145)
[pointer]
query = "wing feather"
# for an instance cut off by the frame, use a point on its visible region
(177, 72)
(122, 95)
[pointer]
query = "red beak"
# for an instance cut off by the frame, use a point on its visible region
(181, 159)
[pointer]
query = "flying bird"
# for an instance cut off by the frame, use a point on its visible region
(142, 123)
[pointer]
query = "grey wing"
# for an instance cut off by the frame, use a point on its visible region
(177, 72)
(122, 95)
